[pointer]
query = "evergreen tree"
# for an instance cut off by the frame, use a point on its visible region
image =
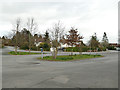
(94, 42)
(46, 37)
(3, 40)
(105, 42)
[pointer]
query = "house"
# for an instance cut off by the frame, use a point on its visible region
(38, 40)
(65, 45)
(114, 44)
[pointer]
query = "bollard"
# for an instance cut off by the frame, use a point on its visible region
(42, 53)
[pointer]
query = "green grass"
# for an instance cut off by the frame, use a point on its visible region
(1, 46)
(69, 57)
(22, 53)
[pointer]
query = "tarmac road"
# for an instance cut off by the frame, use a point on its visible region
(28, 72)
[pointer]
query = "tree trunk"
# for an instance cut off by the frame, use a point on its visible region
(55, 53)
(37, 48)
(16, 43)
(29, 47)
(16, 49)
(72, 51)
(29, 43)
(80, 51)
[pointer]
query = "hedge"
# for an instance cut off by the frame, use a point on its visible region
(111, 48)
(83, 49)
(77, 49)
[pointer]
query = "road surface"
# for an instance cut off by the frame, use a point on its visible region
(28, 72)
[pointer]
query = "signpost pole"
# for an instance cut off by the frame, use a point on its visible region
(42, 53)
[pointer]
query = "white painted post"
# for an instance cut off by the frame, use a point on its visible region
(42, 53)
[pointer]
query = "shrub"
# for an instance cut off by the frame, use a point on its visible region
(111, 48)
(77, 49)
(102, 49)
(84, 49)
(2, 46)
(45, 46)
(64, 58)
(34, 48)
(24, 46)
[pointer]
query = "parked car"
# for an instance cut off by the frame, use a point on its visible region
(61, 49)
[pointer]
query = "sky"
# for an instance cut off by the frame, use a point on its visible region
(88, 16)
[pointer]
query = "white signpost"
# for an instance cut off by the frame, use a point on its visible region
(42, 53)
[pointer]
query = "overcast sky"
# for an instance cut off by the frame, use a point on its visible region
(88, 16)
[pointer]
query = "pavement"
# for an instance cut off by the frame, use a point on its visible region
(25, 71)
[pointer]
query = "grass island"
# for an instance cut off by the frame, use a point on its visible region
(22, 53)
(69, 57)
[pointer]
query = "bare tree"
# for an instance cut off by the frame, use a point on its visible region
(32, 27)
(16, 31)
(56, 34)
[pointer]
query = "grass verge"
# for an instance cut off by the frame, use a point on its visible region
(69, 57)
(22, 53)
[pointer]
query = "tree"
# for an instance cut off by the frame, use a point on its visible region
(46, 37)
(32, 27)
(45, 46)
(36, 40)
(16, 31)
(56, 34)
(105, 42)
(73, 39)
(94, 42)
(35, 36)
(24, 41)
(3, 40)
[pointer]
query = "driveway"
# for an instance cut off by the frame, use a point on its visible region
(28, 72)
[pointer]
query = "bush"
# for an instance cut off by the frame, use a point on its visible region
(25, 46)
(45, 46)
(77, 49)
(102, 49)
(2, 46)
(64, 58)
(111, 48)
(84, 49)
(34, 48)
